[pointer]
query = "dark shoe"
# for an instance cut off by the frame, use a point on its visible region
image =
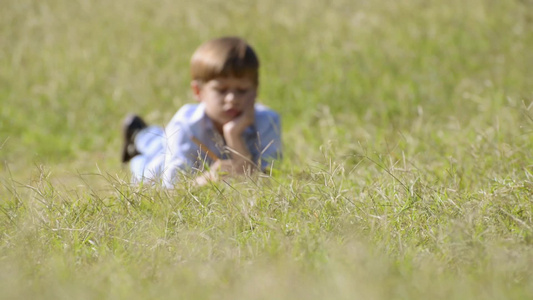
(130, 127)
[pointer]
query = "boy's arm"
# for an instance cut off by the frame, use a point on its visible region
(240, 162)
(269, 132)
(241, 158)
(178, 146)
(268, 126)
(175, 159)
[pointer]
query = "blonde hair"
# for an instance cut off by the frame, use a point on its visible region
(224, 57)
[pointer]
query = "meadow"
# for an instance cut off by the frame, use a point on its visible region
(407, 170)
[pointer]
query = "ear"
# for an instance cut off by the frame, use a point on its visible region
(196, 87)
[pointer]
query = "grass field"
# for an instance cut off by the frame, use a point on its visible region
(408, 170)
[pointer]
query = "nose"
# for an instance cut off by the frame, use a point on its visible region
(230, 97)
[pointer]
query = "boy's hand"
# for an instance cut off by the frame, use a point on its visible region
(236, 126)
(219, 169)
(232, 131)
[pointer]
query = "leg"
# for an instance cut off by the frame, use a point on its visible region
(148, 164)
(130, 127)
(143, 148)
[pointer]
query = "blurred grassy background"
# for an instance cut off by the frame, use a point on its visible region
(70, 70)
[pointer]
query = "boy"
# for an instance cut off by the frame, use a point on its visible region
(226, 130)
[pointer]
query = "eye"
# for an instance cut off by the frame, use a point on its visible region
(222, 91)
(242, 91)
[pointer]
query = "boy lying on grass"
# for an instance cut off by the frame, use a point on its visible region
(226, 130)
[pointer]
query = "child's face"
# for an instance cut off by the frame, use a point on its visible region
(225, 98)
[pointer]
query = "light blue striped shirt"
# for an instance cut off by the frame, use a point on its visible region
(171, 151)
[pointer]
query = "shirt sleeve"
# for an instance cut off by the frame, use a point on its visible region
(177, 147)
(269, 138)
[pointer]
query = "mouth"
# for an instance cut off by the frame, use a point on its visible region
(233, 112)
